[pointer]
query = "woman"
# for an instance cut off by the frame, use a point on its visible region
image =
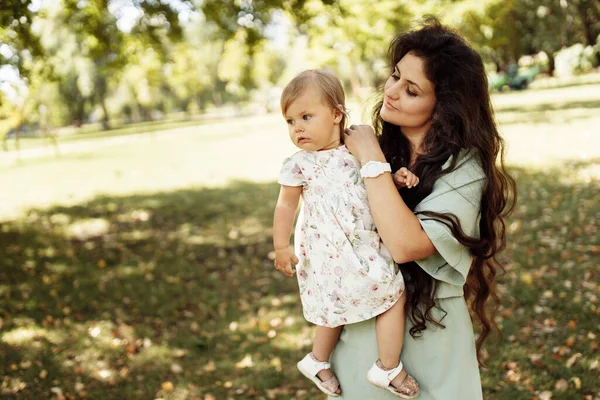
(436, 118)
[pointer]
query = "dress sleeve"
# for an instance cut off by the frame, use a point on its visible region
(458, 193)
(291, 173)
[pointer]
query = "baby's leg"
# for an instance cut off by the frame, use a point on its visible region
(325, 340)
(390, 337)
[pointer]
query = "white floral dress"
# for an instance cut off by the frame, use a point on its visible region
(345, 273)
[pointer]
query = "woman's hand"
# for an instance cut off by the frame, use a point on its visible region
(363, 144)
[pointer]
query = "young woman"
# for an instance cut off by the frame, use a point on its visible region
(435, 116)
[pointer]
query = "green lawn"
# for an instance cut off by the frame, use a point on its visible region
(139, 269)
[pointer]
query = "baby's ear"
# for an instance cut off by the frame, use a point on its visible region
(338, 113)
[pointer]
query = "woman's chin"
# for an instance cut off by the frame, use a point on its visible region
(388, 116)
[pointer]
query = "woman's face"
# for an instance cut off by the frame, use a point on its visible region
(409, 97)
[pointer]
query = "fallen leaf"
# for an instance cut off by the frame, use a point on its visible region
(167, 386)
(536, 359)
(577, 382)
(546, 395)
(176, 368)
(561, 385)
(573, 359)
(246, 362)
(276, 363)
(210, 367)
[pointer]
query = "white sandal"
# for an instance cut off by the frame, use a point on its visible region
(382, 378)
(310, 367)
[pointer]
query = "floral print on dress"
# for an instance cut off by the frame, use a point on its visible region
(345, 274)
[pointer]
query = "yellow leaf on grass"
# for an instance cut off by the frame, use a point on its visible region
(573, 359)
(167, 386)
(246, 362)
(276, 363)
(526, 278)
(210, 367)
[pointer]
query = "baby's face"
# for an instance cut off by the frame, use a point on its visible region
(312, 124)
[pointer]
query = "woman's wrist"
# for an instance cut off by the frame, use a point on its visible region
(375, 156)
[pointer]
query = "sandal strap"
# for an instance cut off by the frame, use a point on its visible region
(394, 372)
(383, 377)
(313, 366)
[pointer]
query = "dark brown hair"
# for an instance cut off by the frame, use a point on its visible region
(462, 119)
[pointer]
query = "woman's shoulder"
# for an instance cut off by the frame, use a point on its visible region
(466, 179)
(468, 165)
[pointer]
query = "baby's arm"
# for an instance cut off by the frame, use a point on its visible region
(283, 220)
(404, 178)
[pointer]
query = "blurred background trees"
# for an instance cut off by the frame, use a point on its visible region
(68, 62)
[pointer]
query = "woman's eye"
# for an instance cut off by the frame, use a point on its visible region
(395, 77)
(411, 94)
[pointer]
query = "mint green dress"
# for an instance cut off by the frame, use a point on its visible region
(443, 361)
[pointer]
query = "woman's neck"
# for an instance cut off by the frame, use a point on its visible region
(415, 138)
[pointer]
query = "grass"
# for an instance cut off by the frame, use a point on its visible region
(70, 134)
(140, 269)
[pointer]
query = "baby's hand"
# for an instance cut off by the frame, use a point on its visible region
(284, 258)
(404, 178)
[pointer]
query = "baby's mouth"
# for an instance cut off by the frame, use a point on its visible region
(302, 139)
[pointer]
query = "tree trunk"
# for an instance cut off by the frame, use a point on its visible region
(105, 119)
(551, 64)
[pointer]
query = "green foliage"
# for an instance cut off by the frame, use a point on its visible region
(575, 60)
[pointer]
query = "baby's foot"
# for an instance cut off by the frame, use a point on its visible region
(325, 376)
(403, 383)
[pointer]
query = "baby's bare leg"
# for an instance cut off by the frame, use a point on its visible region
(390, 337)
(325, 340)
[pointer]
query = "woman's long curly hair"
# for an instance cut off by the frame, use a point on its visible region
(462, 119)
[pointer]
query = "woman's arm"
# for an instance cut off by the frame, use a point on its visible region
(399, 228)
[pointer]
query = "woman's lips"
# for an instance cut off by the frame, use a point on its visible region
(387, 104)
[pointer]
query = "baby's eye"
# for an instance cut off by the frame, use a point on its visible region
(410, 93)
(289, 121)
(306, 117)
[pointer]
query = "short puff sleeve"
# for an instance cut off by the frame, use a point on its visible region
(291, 172)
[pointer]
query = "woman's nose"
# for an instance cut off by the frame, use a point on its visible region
(393, 91)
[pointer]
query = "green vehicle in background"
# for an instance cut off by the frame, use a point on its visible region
(513, 78)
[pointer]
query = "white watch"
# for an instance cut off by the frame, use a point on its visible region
(373, 169)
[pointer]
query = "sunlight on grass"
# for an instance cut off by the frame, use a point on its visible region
(26, 335)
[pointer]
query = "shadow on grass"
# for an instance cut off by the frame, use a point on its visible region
(173, 295)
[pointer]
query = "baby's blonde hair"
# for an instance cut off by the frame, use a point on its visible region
(323, 80)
